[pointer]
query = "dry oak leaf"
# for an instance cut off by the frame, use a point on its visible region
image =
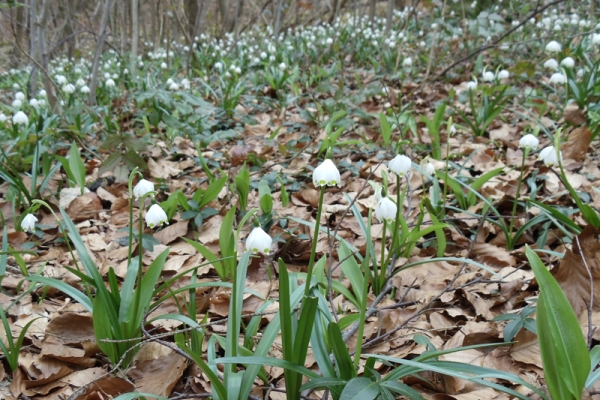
(84, 207)
(573, 274)
(577, 144)
(159, 376)
(574, 115)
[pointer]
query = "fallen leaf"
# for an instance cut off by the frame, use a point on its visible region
(577, 144)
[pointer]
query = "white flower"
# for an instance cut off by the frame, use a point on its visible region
(173, 86)
(326, 174)
(488, 76)
(258, 241)
(558, 78)
(3, 117)
(529, 142)
(386, 210)
(69, 88)
(549, 156)
(568, 62)
(170, 81)
(238, 70)
(553, 47)
(144, 186)
(595, 38)
(156, 216)
(407, 62)
(400, 165)
(163, 65)
(282, 66)
(20, 96)
(20, 118)
(84, 89)
(61, 80)
(429, 169)
(503, 74)
(34, 102)
(28, 223)
(551, 64)
(17, 103)
(218, 65)
(263, 55)
(185, 82)
(110, 83)
(41, 102)
(16, 86)
(80, 82)
(471, 85)
(42, 93)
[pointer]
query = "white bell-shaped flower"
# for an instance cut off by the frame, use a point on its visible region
(386, 210)
(553, 47)
(156, 216)
(144, 186)
(558, 78)
(429, 169)
(258, 241)
(326, 174)
(549, 156)
(400, 165)
(20, 118)
(529, 142)
(28, 223)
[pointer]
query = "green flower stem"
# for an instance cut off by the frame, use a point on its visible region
(131, 175)
(313, 251)
(382, 268)
(509, 239)
(140, 273)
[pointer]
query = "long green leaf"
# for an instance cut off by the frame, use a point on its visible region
(562, 345)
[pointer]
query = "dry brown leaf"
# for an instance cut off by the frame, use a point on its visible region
(493, 256)
(574, 115)
(84, 207)
(159, 376)
(172, 232)
(577, 144)
(573, 275)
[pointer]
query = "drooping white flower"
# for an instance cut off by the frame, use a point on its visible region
(80, 82)
(558, 78)
(471, 85)
(551, 64)
(110, 83)
(400, 165)
(218, 65)
(258, 241)
(144, 186)
(28, 223)
(488, 76)
(529, 142)
(20, 118)
(61, 80)
(163, 65)
(42, 93)
(20, 96)
(386, 210)
(553, 47)
(84, 89)
(568, 62)
(156, 216)
(549, 156)
(17, 103)
(34, 102)
(185, 82)
(69, 88)
(282, 66)
(326, 174)
(3, 117)
(174, 87)
(503, 74)
(429, 169)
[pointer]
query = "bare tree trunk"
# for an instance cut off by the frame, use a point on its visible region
(372, 7)
(101, 39)
(389, 16)
(123, 12)
(41, 21)
(19, 32)
(191, 10)
(135, 33)
(278, 20)
(33, 45)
